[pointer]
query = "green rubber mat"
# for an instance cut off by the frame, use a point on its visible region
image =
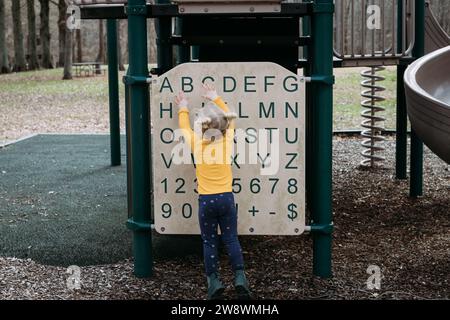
(61, 203)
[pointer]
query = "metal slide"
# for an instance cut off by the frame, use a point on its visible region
(427, 87)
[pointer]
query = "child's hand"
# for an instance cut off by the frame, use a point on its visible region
(181, 100)
(210, 92)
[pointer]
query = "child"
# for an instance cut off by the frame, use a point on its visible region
(214, 129)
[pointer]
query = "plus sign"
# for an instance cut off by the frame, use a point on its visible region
(253, 211)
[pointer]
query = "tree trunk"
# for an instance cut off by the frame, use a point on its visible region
(32, 41)
(47, 61)
(74, 43)
(347, 19)
(119, 47)
(101, 42)
(20, 63)
(79, 46)
(62, 9)
(4, 63)
(68, 55)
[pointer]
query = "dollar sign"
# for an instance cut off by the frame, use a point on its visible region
(292, 212)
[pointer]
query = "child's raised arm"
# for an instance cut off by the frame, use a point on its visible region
(211, 94)
(183, 117)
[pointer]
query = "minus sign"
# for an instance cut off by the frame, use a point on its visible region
(272, 212)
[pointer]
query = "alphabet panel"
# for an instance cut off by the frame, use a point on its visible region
(268, 158)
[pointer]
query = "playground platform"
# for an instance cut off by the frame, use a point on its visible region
(61, 203)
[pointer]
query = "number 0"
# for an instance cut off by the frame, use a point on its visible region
(187, 210)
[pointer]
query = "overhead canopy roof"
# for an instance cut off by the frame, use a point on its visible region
(106, 2)
(87, 2)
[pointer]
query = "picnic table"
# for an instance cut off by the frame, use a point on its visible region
(87, 69)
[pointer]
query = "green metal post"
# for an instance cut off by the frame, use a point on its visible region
(163, 28)
(322, 137)
(402, 117)
(195, 53)
(183, 52)
(416, 183)
(113, 82)
(128, 147)
(308, 111)
(139, 145)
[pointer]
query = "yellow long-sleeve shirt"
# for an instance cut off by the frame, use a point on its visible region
(213, 159)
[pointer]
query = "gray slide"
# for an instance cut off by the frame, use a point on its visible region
(427, 86)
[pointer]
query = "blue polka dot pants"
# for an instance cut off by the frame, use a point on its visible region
(219, 210)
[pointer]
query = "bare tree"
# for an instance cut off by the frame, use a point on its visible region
(68, 55)
(4, 63)
(101, 42)
(47, 61)
(62, 10)
(119, 46)
(20, 63)
(151, 46)
(32, 41)
(79, 46)
(68, 44)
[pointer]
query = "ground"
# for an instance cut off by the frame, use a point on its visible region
(375, 222)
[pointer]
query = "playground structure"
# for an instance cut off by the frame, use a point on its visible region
(246, 31)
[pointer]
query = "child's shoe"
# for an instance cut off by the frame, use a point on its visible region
(215, 287)
(241, 285)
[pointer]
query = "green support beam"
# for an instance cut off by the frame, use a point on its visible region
(183, 52)
(321, 137)
(139, 157)
(416, 183)
(401, 115)
(402, 126)
(195, 53)
(306, 31)
(164, 53)
(128, 146)
(113, 82)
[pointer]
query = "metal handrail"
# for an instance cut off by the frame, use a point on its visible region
(412, 28)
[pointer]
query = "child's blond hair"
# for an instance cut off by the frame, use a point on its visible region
(212, 117)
